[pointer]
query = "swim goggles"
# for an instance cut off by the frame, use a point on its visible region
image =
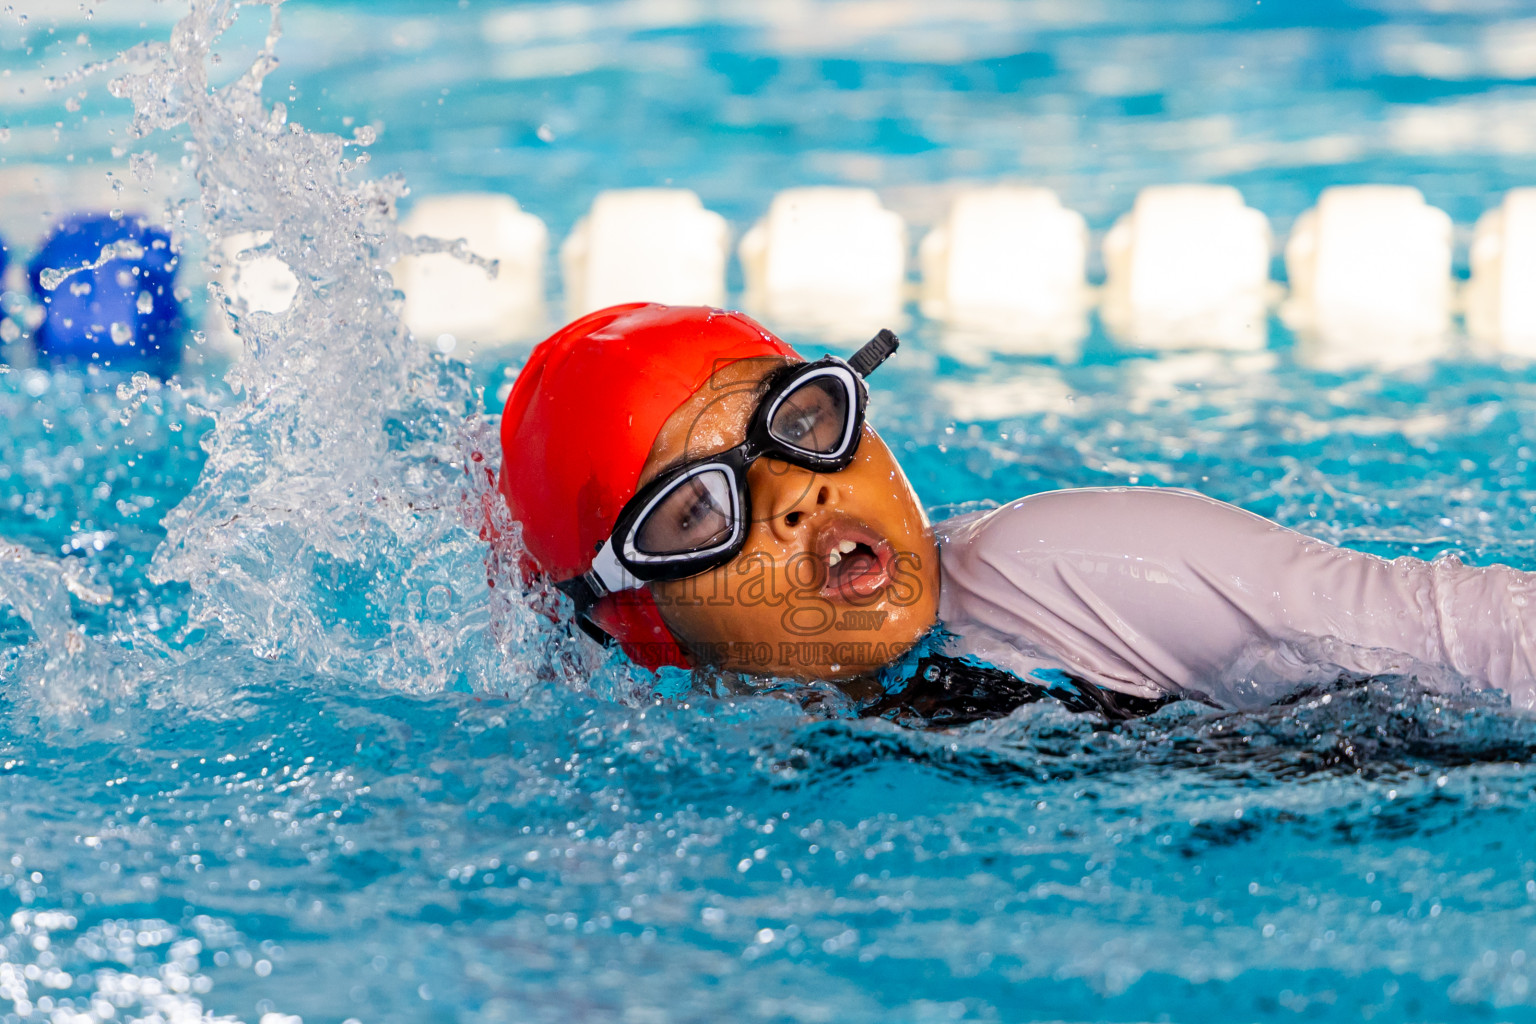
(694, 517)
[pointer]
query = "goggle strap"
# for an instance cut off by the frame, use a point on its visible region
(584, 595)
(608, 574)
(874, 352)
(581, 592)
(591, 587)
(605, 577)
(594, 631)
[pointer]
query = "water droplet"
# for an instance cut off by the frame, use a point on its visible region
(145, 303)
(142, 166)
(122, 334)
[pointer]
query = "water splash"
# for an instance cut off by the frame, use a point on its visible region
(73, 680)
(38, 588)
(127, 249)
(337, 524)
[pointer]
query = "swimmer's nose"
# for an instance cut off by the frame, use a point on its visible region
(783, 496)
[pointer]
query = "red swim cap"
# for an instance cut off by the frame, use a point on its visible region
(579, 425)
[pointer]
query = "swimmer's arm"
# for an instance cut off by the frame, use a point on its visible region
(1153, 591)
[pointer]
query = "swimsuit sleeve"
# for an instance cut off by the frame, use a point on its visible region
(1157, 591)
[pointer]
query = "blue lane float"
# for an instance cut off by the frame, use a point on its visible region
(107, 285)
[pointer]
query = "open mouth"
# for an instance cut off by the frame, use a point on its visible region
(857, 561)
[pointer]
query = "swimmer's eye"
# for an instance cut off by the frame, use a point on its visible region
(695, 516)
(813, 417)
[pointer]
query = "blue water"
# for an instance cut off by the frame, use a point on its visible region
(282, 751)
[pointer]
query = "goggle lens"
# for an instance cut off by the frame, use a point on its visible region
(696, 514)
(814, 416)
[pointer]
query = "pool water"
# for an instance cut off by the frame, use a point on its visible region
(271, 747)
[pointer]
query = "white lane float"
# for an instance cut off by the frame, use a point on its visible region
(456, 306)
(1188, 267)
(1501, 297)
(828, 261)
(1030, 391)
(1370, 274)
(645, 245)
(1007, 271)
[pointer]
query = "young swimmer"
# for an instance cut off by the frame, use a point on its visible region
(707, 497)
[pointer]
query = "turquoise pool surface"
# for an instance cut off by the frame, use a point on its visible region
(271, 748)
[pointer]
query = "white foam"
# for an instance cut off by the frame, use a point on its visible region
(827, 260)
(1370, 272)
(1006, 270)
(645, 245)
(456, 306)
(1188, 267)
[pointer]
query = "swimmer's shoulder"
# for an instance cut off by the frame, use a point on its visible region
(1093, 517)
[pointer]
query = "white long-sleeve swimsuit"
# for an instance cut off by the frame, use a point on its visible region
(1157, 591)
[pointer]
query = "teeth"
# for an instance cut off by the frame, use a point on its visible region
(834, 558)
(846, 546)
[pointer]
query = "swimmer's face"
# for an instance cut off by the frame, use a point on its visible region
(840, 573)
